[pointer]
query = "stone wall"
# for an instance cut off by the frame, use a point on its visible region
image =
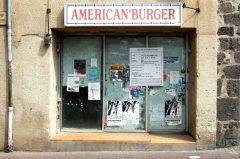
(228, 61)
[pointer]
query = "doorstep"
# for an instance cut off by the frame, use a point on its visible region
(121, 141)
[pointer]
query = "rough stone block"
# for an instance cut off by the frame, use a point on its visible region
(231, 142)
(232, 71)
(237, 57)
(231, 133)
(225, 43)
(235, 44)
(225, 31)
(227, 133)
(228, 109)
(233, 19)
(233, 88)
(238, 31)
(226, 8)
(219, 87)
(229, 43)
(220, 58)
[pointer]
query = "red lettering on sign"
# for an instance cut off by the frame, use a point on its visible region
(107, 14)
(171, 14)
(82, 14)
(164, 13)
(103, 14)
(124, 14)
(134, 14)
(74, 15)
(98, 14)
(157, 14)
(142, 14)
(116, 15)
(149, 14)
(90, 14)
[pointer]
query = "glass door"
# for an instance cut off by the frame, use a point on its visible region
(81, 83)
(124, 106)
(167, 103)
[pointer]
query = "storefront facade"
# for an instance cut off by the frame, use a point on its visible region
(113, 75)
(114, 104)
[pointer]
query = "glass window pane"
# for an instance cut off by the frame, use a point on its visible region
(124, 106)
(167, 104)
(81, 58)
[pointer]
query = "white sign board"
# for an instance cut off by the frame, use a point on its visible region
(146, 66)
(123, 14)
(94, 91)
(72, 83)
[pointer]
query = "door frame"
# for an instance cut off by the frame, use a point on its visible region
(103, 37)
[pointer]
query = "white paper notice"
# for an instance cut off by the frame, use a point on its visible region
(72, 83)
(173, 114)
(174, 77)
(131, 111)
(93, 62)
(114, 113)
(94, 91)
(146, 66)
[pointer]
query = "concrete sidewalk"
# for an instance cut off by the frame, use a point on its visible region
(230, 153)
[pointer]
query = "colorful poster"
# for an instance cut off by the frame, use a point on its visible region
(94, 91)
(93, 74)
(80, 67)
(72, 83)
(173, 112)
(146, 66)
(114, 113)
(134, 92)
(170, 60)
(130, 111)
(116, 72)
(174, 77)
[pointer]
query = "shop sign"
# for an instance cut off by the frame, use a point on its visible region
(123, 14)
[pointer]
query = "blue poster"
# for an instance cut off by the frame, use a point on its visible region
(93, 74)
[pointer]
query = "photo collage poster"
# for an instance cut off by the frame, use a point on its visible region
(120, 113)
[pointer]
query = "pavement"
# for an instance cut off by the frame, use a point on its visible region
(227, 153)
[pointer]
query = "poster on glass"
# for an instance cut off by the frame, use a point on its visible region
(114, 113)
(116, 72)
(173, 112)
(80, 67)
(146, 66)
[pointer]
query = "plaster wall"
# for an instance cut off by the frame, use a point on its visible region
(2, 5)
(35, 72)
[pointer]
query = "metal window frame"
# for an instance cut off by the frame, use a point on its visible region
(103, 37)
